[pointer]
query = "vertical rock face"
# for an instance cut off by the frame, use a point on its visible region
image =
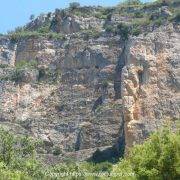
(150, 83)
(60, 112)
(64, 23)
(89, 93)
(7, 51)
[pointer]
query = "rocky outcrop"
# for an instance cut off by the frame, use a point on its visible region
(80, 86)
(64, 23)
(53, 100)
(7, 51)
(150, 83)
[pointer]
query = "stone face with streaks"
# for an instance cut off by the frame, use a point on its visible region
(52, 101)
(150, 83)
(49, 88)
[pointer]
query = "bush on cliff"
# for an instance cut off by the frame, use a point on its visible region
(123, 30)
(157, 158)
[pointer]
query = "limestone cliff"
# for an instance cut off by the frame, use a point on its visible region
(150, 83)
(89, 90)
(53, 101)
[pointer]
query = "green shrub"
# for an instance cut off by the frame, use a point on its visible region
(156, 158)
(42, 32)
(103, 167)
(17, 157)
(91, 33)
(49, 75)
(104, 13)
(15, 36)
(138, 15)
(16, 76)
(6, 147)
(136, 31)
(80, 14)
(158, 22)
(130, 2)
(110, 29)
(26, 64)
(57, 150)
(99, 15)
(32, 17)
(3, 65)
(123, 30)
(177, 17)
(105, 84)
(53, 35)
(44, 29)
(74, 5)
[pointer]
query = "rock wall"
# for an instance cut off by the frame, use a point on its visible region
(89, 94)
(150, 83)
(58, 111)
(7, 51)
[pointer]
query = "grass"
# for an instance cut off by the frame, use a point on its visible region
(91, 33)
(26, 64)
(3, 65)
(15, 36)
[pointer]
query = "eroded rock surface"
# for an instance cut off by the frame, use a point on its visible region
(150, 83)
(89, 91)
(53, 100)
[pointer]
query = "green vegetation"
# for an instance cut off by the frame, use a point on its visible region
(105, 83)
(140, 17)
(49, 75)
(32, 17)
(136, 31)
(104, 13)
(57, 151)
(18, 161)
(157, 158)
(121, 29)
(3, 65)
(110, 29)
(130, 2)
(26, 64)
(17, 157)
(176, 18)
(18, 73)
(91, 33)
(74, 5)
(42, 32)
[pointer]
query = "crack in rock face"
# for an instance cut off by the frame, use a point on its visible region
(147, 87)
(80, 94)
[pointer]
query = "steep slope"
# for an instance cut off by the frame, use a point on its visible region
(150, 83)
(79, 82)
(53, 100)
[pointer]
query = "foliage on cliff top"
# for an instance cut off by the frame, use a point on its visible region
(137, 15)
(15, 36)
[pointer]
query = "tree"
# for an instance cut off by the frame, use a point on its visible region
(157, 158)
(6, 147)
(32, 17)
(74, 5)
(17, 157)
(131, 2)
(123, 30)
